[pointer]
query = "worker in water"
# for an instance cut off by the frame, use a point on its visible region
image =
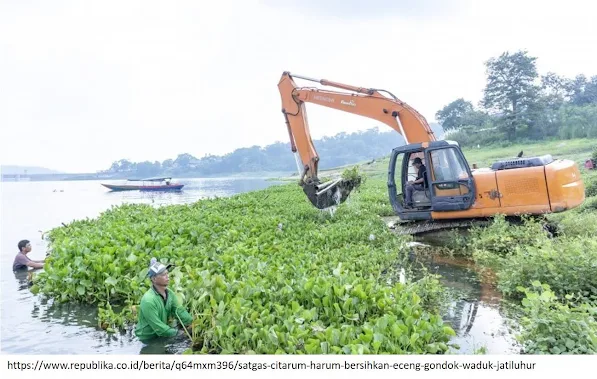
(419, 184)
(160, 309)
(22, 261)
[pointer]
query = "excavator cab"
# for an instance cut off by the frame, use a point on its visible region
(450, 183)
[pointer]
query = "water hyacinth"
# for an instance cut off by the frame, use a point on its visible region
(262, 272)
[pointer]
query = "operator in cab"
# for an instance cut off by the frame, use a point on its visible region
(419, 184)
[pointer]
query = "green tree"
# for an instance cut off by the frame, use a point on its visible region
(578, 121)
(167, 164)
(556, 89)
(511, 90)
(584, 91)
(123, 165)
(147, 168)
(184, 160)
(453, 115)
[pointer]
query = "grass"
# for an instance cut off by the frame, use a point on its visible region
(577, 150)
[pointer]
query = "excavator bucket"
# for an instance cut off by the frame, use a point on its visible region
(331, 193)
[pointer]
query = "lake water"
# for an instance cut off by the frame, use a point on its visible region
(32, 326)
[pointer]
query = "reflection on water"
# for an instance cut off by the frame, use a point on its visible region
(32, 325)
(23, 278)
(476, 311)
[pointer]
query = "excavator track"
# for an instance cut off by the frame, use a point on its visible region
(421, 227)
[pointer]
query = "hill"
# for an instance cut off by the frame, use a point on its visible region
(339, 150)
(30, 170)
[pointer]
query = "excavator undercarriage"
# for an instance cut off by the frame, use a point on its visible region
(428, 226)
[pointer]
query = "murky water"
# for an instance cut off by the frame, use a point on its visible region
(483, 321)
(476, 311)
(33, 326)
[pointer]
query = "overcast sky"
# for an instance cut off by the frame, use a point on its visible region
(85, 83)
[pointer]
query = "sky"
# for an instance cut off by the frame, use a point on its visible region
(86, 83)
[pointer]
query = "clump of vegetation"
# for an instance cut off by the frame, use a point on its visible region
(351, 174)
(519, 254)
(590, 181)
(554, 326)
(262, 272)
(582, 223)
(567, 266)
(501, 238)
(354, 177)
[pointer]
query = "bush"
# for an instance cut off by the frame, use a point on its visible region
(567, 265)
(582, 223)
(491, 244)
(551, 327)
(519, 254)
(590, 185)
(590, 205)
(471, 138)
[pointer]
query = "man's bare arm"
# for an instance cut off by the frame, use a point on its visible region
(35, 264)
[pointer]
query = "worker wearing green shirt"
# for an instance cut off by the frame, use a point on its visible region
(159, 307)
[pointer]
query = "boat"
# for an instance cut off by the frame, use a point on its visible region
(147, 184)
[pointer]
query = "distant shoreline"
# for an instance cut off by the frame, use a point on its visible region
(89, 177)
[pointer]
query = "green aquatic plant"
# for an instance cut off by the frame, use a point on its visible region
(352, 173)
(262, 272)
(556, 326)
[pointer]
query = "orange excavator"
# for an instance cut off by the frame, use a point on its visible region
(512, 187)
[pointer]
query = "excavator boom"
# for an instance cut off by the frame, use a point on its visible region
(367, 102)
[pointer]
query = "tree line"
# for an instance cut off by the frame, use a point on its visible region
(518, 104)
(338, 150)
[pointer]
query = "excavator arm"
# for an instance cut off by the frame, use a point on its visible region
(367, 102)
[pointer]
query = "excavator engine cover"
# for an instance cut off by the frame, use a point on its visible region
(522, 162)
(329, 194)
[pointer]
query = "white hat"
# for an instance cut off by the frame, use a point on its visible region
(157, 268)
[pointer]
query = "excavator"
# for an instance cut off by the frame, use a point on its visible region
(455, 193)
